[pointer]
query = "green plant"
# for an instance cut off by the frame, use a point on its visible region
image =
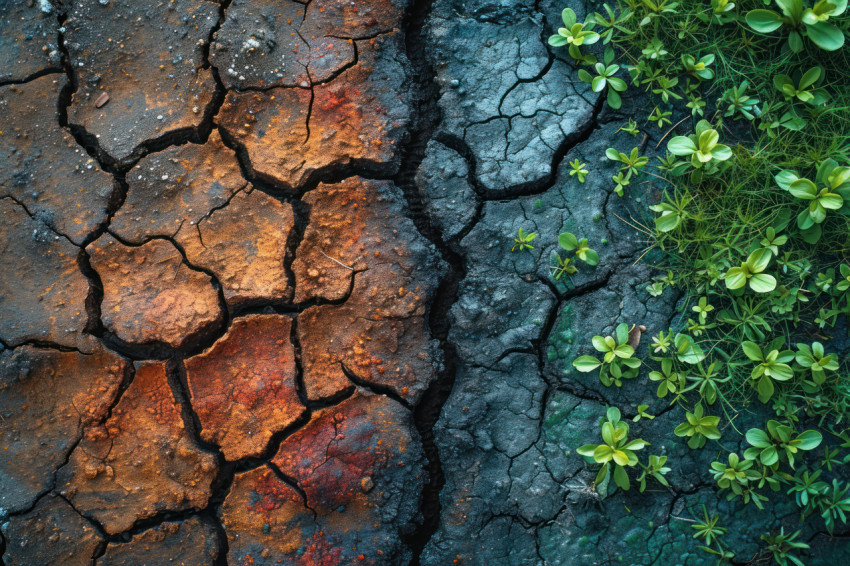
(698, 428)
(621, 181)
(631, 163)
(671, 381)
(829, 191)
(751, 273)
(771, 366)
(768, 446)
(631, 128)
(655, 469)
(642, 414)
(618, 361)
(816, 360)
(661, 118)
(802, 89)
(616, 450)
(712, 533)
(834, 503)
(563, 267)
(574, 34)
(781, 546)
(523, 240)
(569, 242)
(802, 21)
(736, 477)
(605, 78)
(737, 101)
(702, 148)
(698, 68)
(772, 242)
(672, 212)
(578, 168)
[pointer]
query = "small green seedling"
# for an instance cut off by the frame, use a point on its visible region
(618, 361)
(751, 273)
(616, 451)
(655, 469)
(777, 441)
(580, 169)
(671, 381)
(770, 366)
(802, 21)
(570, 243)
(523, 240)
(698, 428)
(703, 147)
(781, 546)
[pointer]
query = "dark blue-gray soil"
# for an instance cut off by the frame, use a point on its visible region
(258, 304)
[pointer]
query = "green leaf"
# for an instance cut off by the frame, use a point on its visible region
(735, 278)
(667, 222)
(620, 458)
(586, 364)
(765, 389)
(826, 36)
(785, 178)
(614, 100)
(781, 372)
(617, 84)
(809, 440)
(752, 351)
(598, 84)
(769, 456)
(622, 332)
(592, 258)
(568, 16)
(559, 41)
(568, 241)
(810, 77)
(621, 478)
(758, 438)
(759, 260)
(599, 344)
(803, 189)
(762, 283)
(764, 21)
(681, 145)
(721, 152)
(587, 450)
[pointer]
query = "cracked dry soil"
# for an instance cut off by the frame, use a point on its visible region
(256, 305)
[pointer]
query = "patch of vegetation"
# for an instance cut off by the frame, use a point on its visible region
(753, 229)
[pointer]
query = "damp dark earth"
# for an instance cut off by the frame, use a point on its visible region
(318, 282)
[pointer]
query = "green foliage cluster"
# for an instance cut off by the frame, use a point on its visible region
(752, 229)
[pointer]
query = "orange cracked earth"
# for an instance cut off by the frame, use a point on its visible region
(214, 325)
